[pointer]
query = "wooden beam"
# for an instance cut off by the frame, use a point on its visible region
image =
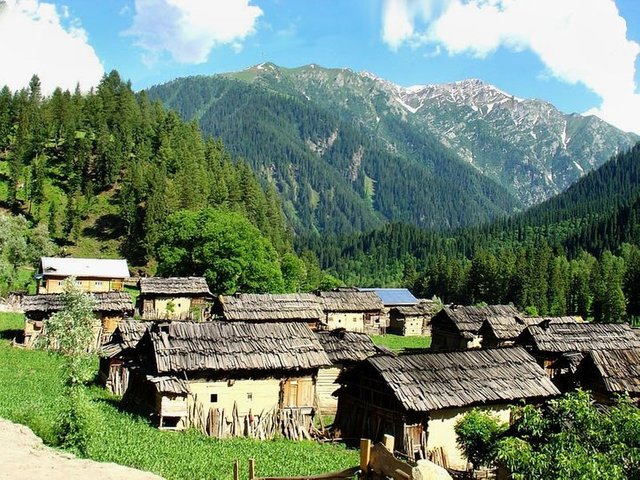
(365, 454)
(252, 469)
(389, 442)
(235, 470)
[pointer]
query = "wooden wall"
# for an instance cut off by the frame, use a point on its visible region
(325, 386)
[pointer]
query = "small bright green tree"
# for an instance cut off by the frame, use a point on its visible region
(478, 434)
(70, 333)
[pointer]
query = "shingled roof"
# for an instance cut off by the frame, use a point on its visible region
(126, 336)
(342, 346)
(433, 381)
(104, 302)
(350, 301)
(174, 286)
(422, 308)
(509, 327)
(227, 346)
(267, 307)
(579, 337)
(469, 319)
(619, 369)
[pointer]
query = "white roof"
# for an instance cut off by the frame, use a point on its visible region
(84, 267)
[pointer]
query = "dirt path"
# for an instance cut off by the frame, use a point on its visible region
(23, 456)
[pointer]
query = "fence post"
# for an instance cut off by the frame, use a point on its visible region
(235, 470)
(252, 469)
(389, 442)
(365, 454)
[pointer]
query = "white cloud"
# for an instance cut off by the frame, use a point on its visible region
(578, 41)
(40, 38)
(189, 29)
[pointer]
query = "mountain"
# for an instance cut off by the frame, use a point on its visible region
(528, 146)
(350, 151)
(334, 174)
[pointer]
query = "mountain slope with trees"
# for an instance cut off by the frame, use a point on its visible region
(334, 175)
(101, 172)
(577, 253)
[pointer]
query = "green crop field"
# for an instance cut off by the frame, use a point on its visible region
(399, 343)
(31, 393)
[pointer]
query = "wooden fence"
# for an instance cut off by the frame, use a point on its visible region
(376, 462)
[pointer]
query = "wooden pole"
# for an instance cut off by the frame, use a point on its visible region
(389, 442)
(235, 470)
(252, 469)
(365, 454)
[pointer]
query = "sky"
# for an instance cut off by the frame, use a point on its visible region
(580, 55)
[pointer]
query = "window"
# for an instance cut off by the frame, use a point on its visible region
(249, 396)
(98, 283)
(60, 283)
(214, 398)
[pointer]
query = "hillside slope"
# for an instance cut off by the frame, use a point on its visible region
(335, 175)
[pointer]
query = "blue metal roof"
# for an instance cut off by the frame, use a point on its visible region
(393, 296)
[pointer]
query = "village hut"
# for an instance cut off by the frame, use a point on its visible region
(174, 298)
(120, 354)
(419, 398)
(502, 331)
(345, 350)
(254, 379)
(109, 308)
(611, 373)
(561, 347)
(392, 297)
(95, 275)
(412, 320)
(254, 307)
(458, 327)
(353, 311)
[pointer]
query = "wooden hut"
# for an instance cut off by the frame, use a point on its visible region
(502, 331)
(458, 327)
(345, 350)
(174, 298)
(611, 373)
(91, 274)
(353, 311)
(291, 307)
(419, 398)
(392, 297)
(110, 308)
(412, 320)
(230, 378)
(120, 354)
(561, 347)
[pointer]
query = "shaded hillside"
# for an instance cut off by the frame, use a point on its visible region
(335, 175)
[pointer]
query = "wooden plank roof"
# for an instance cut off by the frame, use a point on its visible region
(579, 337)
(104, 302)
(342, 346)
(227, 346)
(469, 319)
(433, 381)
(174, 286)
(509, 327)
(267, 307)
(422, 308)
(127, 335)
(619, 369)
(350, 301)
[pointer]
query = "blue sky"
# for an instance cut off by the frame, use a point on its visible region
(580, 55)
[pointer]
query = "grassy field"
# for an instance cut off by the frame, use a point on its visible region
(31, 393)
(398, 343)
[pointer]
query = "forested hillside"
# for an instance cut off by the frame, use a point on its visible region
(334, 175)
(102, 173)
(576, 253)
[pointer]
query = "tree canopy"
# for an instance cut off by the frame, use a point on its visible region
(224, 247)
